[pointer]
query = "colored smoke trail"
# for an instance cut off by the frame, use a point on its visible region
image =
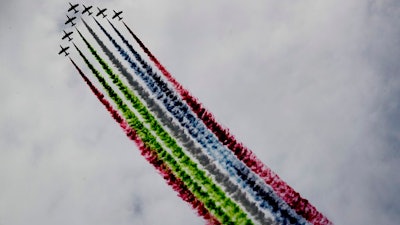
(284, 191)
(155, 60)
(151, 157)
(260, 192)
(231, 188)
(170, 143)
(151, 143)
(214, 198)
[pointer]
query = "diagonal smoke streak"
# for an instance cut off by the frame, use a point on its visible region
(150, 155)
(246, 181)
(288, 194)
(151, 142)
(231, 188)
(214, 192)
(249, 181)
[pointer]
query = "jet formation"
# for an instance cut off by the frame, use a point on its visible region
(86, 9)
(74, 8)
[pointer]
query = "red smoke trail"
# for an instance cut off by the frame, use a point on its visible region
(284, 191)
(151, 156)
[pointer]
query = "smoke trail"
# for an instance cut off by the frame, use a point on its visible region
(249, 181)
(150, 142)
(234, 213)
(151, 157)
(288, 194)
(170, 143)
(231, 188)
(246, 180)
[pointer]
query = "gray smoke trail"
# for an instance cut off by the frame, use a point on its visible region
(259, 191)
(231, 189)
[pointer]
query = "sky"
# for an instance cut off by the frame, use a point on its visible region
(312, 87)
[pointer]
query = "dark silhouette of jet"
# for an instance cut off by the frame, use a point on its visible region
(67, 35)
(101, 12)
(73, 7)
(64, 50)
(116, 14)
(71, 21)
(87, 9)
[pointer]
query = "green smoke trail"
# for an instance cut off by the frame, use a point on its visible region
(232, 211)
(151, 156)
(231, 189)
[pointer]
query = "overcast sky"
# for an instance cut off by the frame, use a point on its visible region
(312, 87)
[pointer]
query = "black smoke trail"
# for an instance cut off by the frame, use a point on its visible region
(188, 143)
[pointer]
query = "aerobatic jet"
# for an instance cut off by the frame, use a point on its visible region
(116, 14)
(101, 12)
(67, 35)
(71, 21)
(87, 9)
(73, 7)
(64, 50)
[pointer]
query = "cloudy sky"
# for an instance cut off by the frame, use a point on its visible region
(312, 87)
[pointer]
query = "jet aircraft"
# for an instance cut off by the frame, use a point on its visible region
(87, 9)
(101, 12)
(73, 7)
(64, 50)
(71, 20)
(117, 14)
(67, 35)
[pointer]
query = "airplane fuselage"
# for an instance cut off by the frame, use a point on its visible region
(101, 12)
(67, 35)
(73, 7)
(87, 9)
(71, 21)
(117, 15)
(64, 50)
